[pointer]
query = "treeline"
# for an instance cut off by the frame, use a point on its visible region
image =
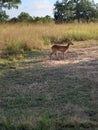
(25, 17)
(64, 11)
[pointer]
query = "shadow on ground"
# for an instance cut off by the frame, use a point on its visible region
(66, 89)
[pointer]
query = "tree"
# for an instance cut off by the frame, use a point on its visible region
(24, 17)
(64, 11)
(8, 4)
(41, 20)
(84, 9)
(4, 16)
(68, 10)
(13, 20)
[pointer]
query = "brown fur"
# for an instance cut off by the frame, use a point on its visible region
(56, 48)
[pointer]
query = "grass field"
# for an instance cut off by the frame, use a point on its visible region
(39, 94)
(37, 36)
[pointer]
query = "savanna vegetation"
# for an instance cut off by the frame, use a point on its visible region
(39, 94)
(65, 11)
(18, 38)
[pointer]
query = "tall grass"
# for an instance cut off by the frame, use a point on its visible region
(14, 37)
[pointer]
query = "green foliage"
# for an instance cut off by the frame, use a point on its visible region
(7, 4)
(10, 3)
(40, 20)
(24, 17)
(3, 16)
(69, 10)
(14, 20)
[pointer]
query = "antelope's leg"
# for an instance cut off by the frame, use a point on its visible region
(64, 53)
(56, 55)
(51, 54)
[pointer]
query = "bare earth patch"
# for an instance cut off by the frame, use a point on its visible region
(75, 56)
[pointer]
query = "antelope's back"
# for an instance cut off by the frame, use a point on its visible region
(58, 47)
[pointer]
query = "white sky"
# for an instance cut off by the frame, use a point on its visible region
(34, 8)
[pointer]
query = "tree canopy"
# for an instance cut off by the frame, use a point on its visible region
(69, 10)
(24, 17)
(7, 4)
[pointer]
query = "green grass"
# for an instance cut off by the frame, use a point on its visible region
(29, 90)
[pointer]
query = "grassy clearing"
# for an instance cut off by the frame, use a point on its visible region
(37, 36)
(66, 90)
(17, 39)
(42, 95)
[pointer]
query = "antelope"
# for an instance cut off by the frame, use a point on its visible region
(63, 49)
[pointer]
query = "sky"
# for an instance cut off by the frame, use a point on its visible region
(35, 8)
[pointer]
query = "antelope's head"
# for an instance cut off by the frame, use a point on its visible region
(70, 43)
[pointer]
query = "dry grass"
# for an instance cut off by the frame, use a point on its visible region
(37, 36)
(68, 89)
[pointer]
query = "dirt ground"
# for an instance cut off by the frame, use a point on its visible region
(84, 58)
(65, 88)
